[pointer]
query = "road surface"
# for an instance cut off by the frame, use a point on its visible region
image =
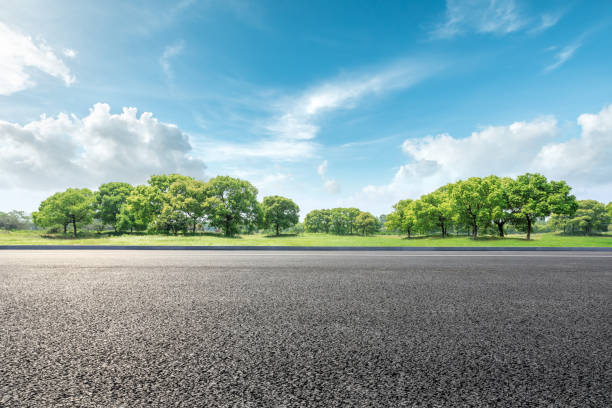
(292, 329)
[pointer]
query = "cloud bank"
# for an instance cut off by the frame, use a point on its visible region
(535, 146)
(56, 152)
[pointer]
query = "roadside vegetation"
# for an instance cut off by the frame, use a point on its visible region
(179, 210)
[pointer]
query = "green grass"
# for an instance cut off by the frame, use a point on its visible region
(306, 239)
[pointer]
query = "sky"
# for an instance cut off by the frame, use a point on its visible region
(341, 103)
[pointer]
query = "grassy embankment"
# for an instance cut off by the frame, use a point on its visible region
(306, 239)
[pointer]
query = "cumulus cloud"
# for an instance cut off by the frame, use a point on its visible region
(489, 17)
(65, 150)
(535, 146)
(322, 169)
(70, 53)
(18, 53)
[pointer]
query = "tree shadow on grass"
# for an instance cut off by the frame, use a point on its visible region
(281, 235)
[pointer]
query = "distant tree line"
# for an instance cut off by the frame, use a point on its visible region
(15, 220)
(591, 216)
(175, 203)
(484, 204)
(342, 221)
(169, 203)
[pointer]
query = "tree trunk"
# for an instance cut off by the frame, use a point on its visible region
(74, 226)
(500, 227)
(528, 228)
(408, 234)
(194, 226)
(475, 231)
(277, 231)
(227, 231)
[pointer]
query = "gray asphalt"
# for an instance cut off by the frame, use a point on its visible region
(255, 329)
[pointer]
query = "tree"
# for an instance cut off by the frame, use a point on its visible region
(187, 196)
(366, 223)
(69, 207)
(497, 202)
(609, 208)
(318, 221)
(590, 216)
(230, 203)
(434, 210)
(403, 218)
(142, 205)
(338, 220)
(470, 201)
(109, 199)
(14, 220)
(279, 212)
(531, 197)
(351, 217)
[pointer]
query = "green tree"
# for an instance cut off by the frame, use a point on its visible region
(531, 197)
(280, 212)
(318, 221)
(434, 210)
(498, 204)
(470, 199)
(403, 218)
(187, 197)
(590, 216)
(366, 223)
(339, 221)
(231, 203)
(15, 220)
(72, 206)
(142, 206)
(351, 217)
(109, 199)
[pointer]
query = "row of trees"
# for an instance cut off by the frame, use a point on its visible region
(341, 221)
(591, 216)
(169, 203)
(15, 220)
(479, 204)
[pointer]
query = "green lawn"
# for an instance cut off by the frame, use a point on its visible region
(306, 239)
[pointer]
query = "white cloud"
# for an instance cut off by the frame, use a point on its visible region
(498, 17)
(332, 186)
(322, 169)
(62, 151)
(535, 146)
(495, 149)
(585, 160)
(213, 150)
(289, 134)
(169, 52)
(481, 16)
(299, 116)
(563, 56)
(546, 21)
(70, 53)
(18, 53)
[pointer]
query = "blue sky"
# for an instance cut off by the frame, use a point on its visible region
(355, 103)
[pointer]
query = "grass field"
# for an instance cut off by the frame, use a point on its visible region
(305, 239)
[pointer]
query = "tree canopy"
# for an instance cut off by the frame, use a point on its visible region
(231, 203)
(279, 213)
(72, 206)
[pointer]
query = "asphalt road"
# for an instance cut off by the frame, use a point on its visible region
(290, 329)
